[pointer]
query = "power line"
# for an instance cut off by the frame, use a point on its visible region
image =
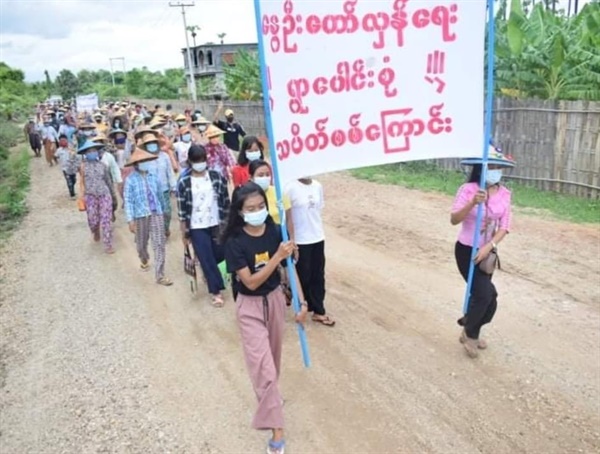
(192, 79)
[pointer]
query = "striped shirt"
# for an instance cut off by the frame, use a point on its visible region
(139, 193)
(497, 211)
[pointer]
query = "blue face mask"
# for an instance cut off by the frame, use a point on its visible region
(253, 155)
(91, 156)
(144, 166)
(152, 148)
(186, 137)
(256, 218)
(120, 140)
(494, 176)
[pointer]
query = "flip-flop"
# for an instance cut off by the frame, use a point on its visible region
(276, 447)
(165, 281)
(217, 301)
(325, 321)
(144, 267)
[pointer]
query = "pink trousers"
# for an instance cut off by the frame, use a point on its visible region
(262, 321)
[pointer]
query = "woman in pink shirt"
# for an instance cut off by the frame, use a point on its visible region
(495, 226)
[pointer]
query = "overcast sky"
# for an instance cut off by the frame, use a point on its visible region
(54, 34)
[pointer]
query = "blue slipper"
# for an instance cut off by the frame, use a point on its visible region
(276, 447)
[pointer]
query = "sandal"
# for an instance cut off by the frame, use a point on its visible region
(110, 251)
(217, 301)
(325, 320)
(144, 266)
(165, 281)
(276, 447)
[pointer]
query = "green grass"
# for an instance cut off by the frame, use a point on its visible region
(14, 179)
(426, 176)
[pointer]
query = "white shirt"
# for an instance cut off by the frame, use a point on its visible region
(111, 164)
(181, 151)
(49, 133)
(307, 204)
(205, 210)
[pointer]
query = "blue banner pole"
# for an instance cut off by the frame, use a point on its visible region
(489, 105)
(274, 165)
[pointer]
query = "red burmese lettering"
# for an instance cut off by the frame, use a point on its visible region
(386, 78)
(283, 149)
(297, 107)
(419, 127)
(275, 44)
(376, 22)
(373, 133)
(296, 141)
(289, 28)
(359, 79)
(338, 138)
(320, 85)
(444, 17)
(420, 18)
(288, 7)
(352, 22)
(320, 126)
(355, 134)
(266, 28)
(313, 24)
(399, 20)
(436, 125)
(341, 81)
(298, 89)
(311, 142)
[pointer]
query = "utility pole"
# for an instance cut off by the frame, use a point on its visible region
(192, 79)
(111, 67)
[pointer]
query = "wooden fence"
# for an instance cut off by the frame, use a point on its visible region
(556, 144)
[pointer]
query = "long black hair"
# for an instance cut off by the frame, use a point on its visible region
(235, 221)
(475, 175)
(196, 153)
(246, 145)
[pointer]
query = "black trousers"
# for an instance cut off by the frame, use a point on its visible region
(483, 301)
(71, 181)
(311, 272)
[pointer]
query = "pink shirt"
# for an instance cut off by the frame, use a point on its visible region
(497, 213)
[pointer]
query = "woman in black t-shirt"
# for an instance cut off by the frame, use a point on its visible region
(253, 251)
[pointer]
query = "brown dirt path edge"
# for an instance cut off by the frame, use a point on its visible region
(97, 358)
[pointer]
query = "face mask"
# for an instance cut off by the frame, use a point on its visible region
(186, 137)
(181, 123)
(120, 140)
(98, 120)
(152, 147)
(263, 182)
(256, 218)
(230, 119)
(253, 155)
(202, 128)
(144, 166)
(494, 176)
(46, 123)
(92, 156)
(88, 133)
(199, 166)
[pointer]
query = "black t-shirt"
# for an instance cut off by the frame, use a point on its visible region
(254, 252)
(233, 131)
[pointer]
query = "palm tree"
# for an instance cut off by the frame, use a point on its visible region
(221, 36)
(192, 29)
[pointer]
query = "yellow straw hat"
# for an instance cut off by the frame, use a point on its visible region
(213, 131)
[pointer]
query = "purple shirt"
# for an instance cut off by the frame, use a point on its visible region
(497, 212)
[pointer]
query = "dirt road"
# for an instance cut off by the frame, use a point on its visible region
(98, 359)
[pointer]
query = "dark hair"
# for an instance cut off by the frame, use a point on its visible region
(169, 107)
(157, 106)
(196, 153)
(246, 145)
(475, 176)
(235, 222)
(255, 165)
(62, 136)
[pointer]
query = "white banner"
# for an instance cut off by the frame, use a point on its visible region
(359, 83)
(87, 103)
